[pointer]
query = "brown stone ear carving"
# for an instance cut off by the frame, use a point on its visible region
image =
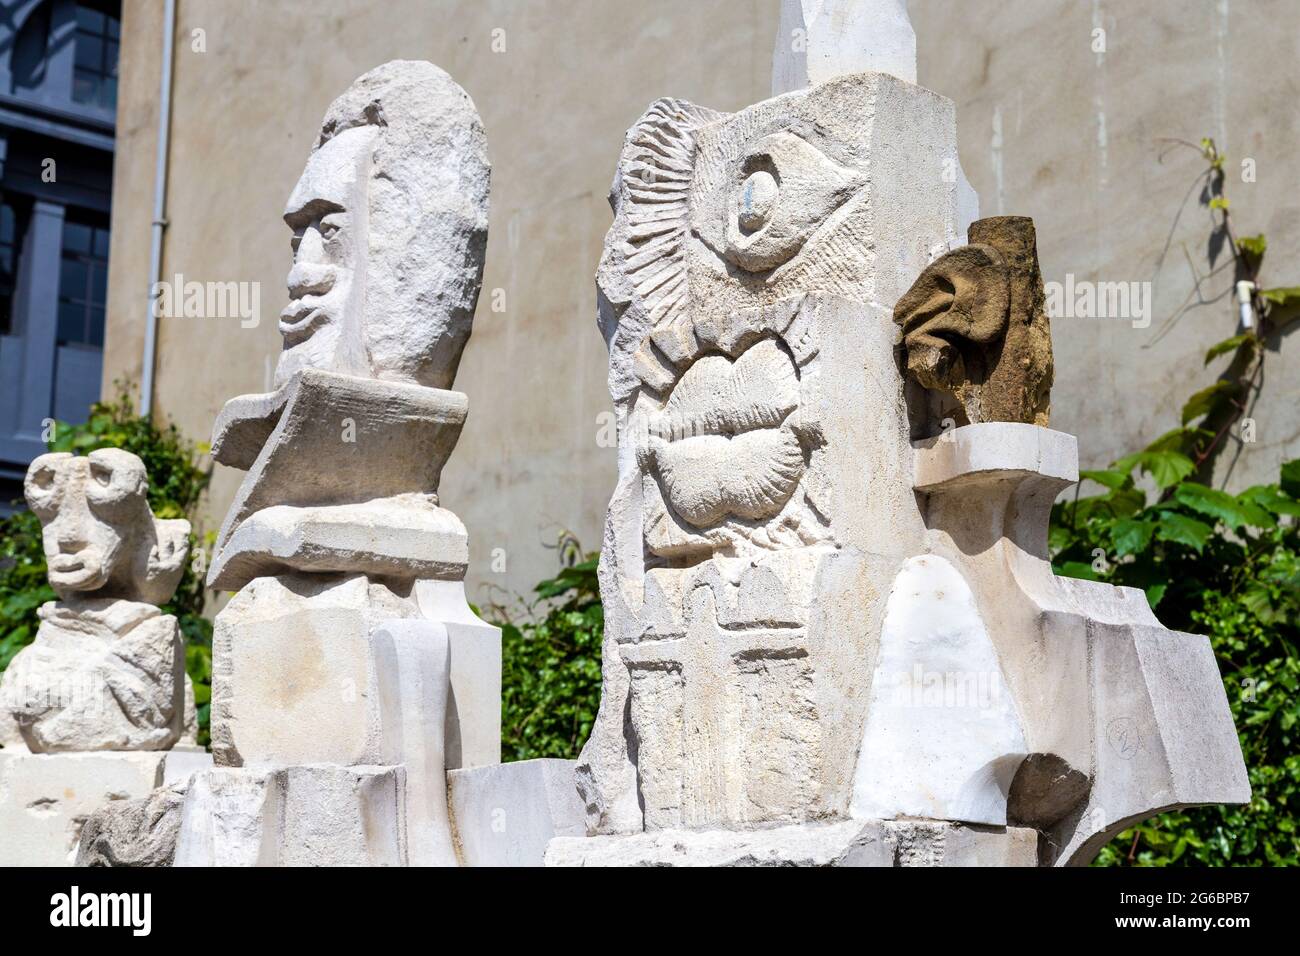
(974, 326)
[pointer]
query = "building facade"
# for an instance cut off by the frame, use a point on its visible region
(58, 98)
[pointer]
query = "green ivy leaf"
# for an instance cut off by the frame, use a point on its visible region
(1155, 593)
(1130, 535)
(1288, 295)
(1165, 467)
(1290, 482)
(1222, 506)
(1253, 246)
(1078, 569)
(1271, 499)
(1229, 345)
(1207, 400)
(1111, 479)
(1180, 529)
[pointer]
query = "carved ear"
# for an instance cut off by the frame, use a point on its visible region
(954, 316)
(166, 559)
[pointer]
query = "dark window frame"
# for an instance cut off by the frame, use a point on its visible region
(93, 312)
(97, 38)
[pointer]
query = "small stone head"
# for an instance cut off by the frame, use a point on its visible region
(389, 226)
(101, 538)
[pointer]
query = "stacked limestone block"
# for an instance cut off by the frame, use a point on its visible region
(350, 676)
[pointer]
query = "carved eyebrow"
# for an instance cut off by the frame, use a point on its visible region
(310, 211)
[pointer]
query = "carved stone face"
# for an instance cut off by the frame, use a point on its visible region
(327, 213)
(87, 507)
(98, 533)
(389, 228)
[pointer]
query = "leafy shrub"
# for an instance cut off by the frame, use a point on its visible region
(176, 481)
(1223, 565)
(550, 669)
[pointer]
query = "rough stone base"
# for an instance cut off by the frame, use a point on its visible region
(505, 815)
(315, 815)
(848, 843)
(46, 798)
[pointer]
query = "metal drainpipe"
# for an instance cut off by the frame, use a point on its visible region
(159, 207)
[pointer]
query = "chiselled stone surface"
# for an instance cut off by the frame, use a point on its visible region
(92, 708)
(975, 330)
(315, 815)
(505, 815)
(850, 843)
(47, 799)
(107, 669)
(817, 40)
(938, 700)
(748, 552)
(139, 832)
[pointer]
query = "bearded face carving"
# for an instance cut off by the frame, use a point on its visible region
(389, 228)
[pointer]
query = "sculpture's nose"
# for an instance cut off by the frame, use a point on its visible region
(308, 278)
(69, 534)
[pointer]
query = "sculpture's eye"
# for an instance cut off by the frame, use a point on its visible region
(113, 477)
(43, 486)
(784, 189)
(757, 200)
(331, 226)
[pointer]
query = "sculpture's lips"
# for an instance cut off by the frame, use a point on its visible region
(299, 318)
(66, 564)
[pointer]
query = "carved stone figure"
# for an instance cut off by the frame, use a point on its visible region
(98, 708)
(974, 328)
(107, 669)
(348, 671)
(832, 636)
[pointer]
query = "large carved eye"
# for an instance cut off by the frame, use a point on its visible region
(101, 474)
(784, 189)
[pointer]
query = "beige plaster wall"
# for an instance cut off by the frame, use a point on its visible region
(1048, 128)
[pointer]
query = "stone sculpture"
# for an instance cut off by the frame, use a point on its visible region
(349, 673)
(89, 710)
(790, 571)
(974, 328)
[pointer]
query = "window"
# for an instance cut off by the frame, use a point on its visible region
(95, 79)
(83, 283)
(10, 241)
